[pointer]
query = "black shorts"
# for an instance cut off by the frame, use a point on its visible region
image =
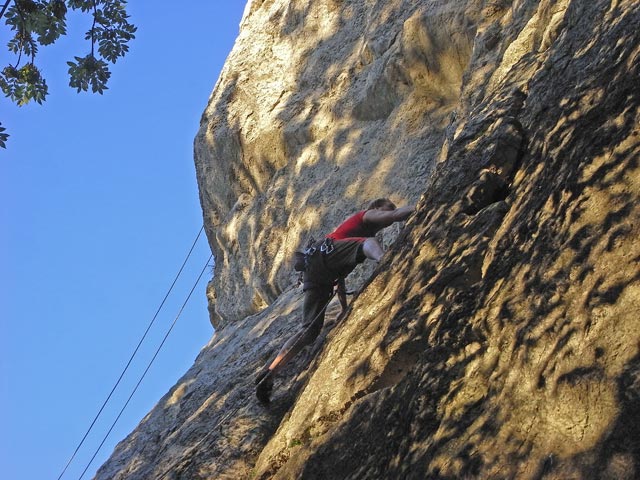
(324, 269)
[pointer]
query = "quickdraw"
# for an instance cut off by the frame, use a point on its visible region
(327, 246)
(301, 262)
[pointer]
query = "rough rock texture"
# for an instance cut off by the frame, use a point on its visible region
(321, 107)
(499, 337)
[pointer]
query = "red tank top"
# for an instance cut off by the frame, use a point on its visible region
(353, 228)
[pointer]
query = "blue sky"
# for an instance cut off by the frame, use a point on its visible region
(98, 208)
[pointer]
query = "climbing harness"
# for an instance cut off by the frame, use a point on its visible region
(301, 258)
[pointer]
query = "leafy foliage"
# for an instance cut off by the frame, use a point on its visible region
(24, 84)
(88, 70)
(38, 23)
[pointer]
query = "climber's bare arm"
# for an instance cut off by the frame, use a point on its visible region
(384, 218)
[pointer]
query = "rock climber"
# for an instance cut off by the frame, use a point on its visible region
(326, 266)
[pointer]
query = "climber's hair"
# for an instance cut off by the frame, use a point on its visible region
(380, 203)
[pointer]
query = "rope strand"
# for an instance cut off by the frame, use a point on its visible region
(148, 367)
(132, 355)
(192, 449)
(224, 418)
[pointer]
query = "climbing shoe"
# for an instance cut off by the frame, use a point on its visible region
(263, 390)
(263, 373)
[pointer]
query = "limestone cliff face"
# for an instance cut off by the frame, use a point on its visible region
(499, 337)
(321, 107)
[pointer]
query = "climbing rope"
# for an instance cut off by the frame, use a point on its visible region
(148, 367)
(104, 404)
(222, 420)
(192, 449)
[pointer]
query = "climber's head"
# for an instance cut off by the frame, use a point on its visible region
(382, 204)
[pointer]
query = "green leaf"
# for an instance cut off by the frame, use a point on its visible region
(3, 137)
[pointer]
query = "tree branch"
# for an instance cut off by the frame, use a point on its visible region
(93, 27)
(4, 7)
(20, 32)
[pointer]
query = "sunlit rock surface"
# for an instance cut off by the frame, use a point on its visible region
(499, 337)
(321, 107)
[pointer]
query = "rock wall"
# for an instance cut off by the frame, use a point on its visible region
(499, 337)
(321, 107)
